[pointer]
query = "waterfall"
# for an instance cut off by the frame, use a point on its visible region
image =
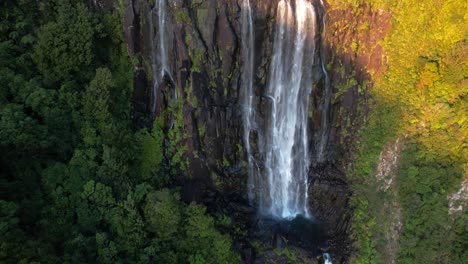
(325, 105)
(248, 93)
(159, 51)
(327, 258)
(278, 181)
(285, 145)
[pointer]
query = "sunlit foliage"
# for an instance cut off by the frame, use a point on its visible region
(425, 53)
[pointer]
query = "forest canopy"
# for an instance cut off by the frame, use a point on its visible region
(79, 182)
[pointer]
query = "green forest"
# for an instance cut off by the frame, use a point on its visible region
(78, 181)
(81, 183)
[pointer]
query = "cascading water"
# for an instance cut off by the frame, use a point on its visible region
(159, 51)
(324, 106)
(247, 83)
(282, 184)
(279, 185)
(327, 258)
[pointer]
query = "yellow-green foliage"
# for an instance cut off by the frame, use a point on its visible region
(425, 83)
(426, 54)
(426, 58)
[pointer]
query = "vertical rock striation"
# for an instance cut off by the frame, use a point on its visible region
(220, 75)
(282, 189)
(247, 94)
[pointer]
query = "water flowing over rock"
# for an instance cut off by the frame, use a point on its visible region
(281, 188)
(322, 134)
(327, 258)
(458, 201)
(159, 52)
(248, 93)
(219, 60)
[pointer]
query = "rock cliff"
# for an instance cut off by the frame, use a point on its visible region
(199, 104)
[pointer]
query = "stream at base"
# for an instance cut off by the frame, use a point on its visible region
(305, 233)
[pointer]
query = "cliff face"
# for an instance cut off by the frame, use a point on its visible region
(199, 104)
(199, 108)
(354, 57)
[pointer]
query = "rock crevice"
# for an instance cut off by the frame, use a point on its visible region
(201, 106)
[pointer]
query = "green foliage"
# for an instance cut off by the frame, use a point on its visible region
(203, 244)
(182, 17)
(289, 254)
(425, 52)
(64, 46)
(429, 232)
(366, 202)
(151, 153)
(81, 186)
(162, 212)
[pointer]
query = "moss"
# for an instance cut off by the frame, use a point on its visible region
(182, 17)
(214, 76)
(147, 66)
(290, 255)
(344, 87)
(196, 57)
(260, 247)
(240, 149)
(226, 162)
(311, 113)
(216, 180)
(177, 136)
(202, 15)
(202, 130)
(191, 98)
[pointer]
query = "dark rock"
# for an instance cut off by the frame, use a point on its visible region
(204, 47)
(140, 100)
(101, 4)
(248, 255)
(242, 208)
(131, 26)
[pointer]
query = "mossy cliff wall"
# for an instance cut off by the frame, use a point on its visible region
(201, 107)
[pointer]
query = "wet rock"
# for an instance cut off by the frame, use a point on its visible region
(248, 255)
(140, 99)
(242, 208)
(206, 61)
(101, 4)
(131, 26)
(458, 201)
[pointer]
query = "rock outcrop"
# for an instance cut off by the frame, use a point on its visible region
(200, 105)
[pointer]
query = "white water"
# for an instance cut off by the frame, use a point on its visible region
(325, 106)
(278, 176)
(327, 258)
(248, 93)
(285, 145)
(159, 51)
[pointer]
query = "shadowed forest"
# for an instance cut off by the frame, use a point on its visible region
(81, 183)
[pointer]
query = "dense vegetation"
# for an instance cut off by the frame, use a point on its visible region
(79, 184)
(421, 97)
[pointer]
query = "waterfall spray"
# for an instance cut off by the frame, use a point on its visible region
(283, 182)
(327, 258)
(279, 186)
(248, 93)
(159, 51)
(325, 106)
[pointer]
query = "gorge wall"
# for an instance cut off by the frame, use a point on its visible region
(199, 107)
